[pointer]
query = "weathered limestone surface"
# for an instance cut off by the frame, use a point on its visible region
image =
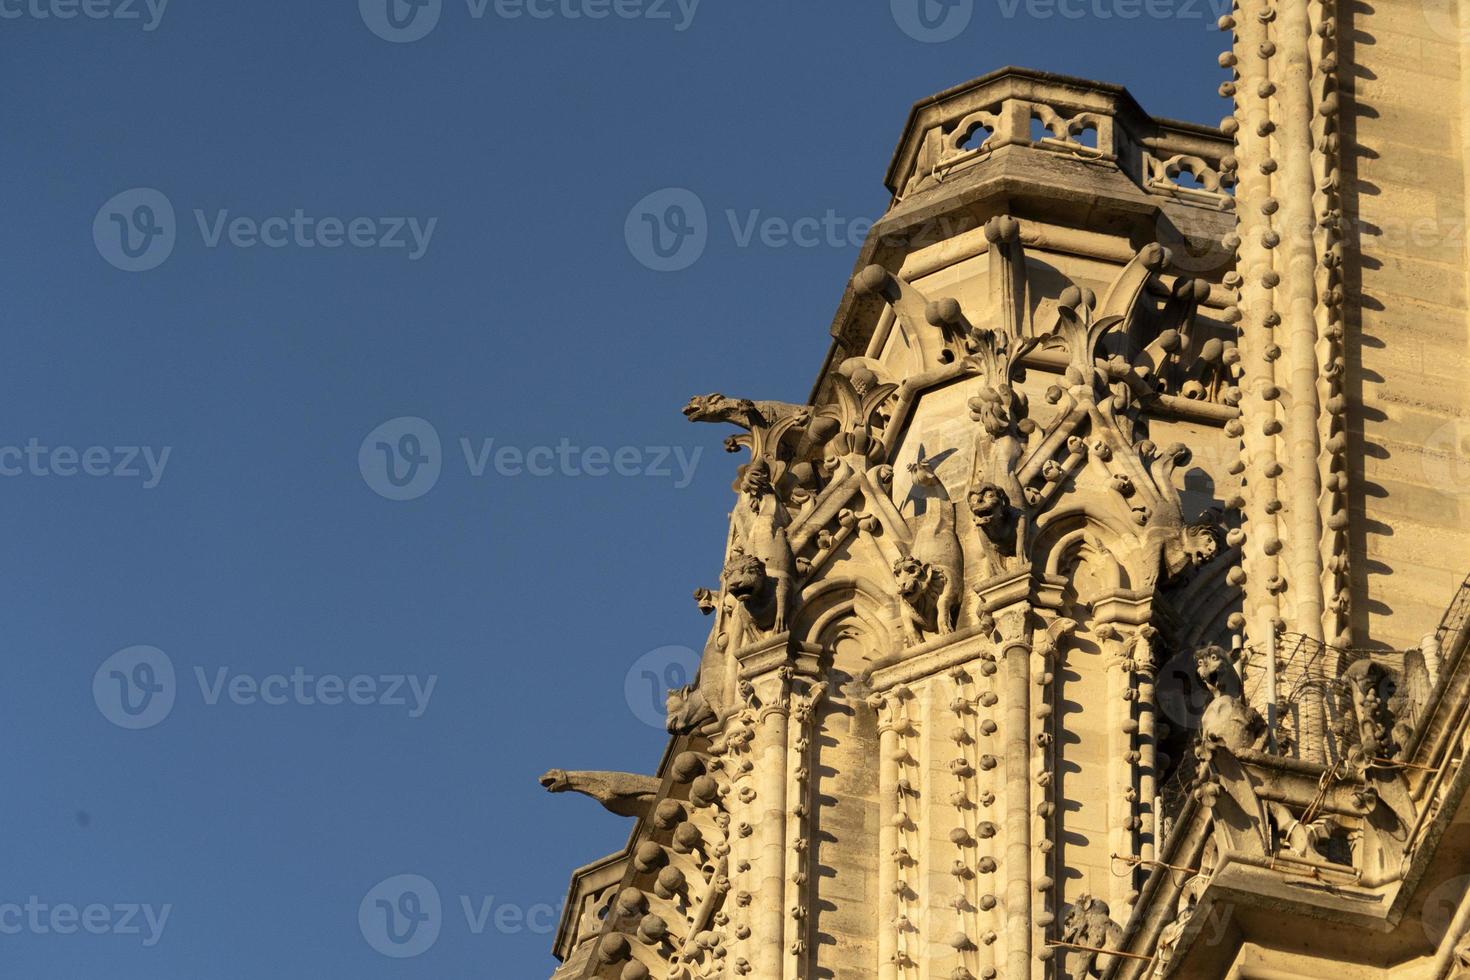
(1089, 619)
(1405, 178)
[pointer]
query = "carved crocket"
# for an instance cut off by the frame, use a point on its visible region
(623, 793)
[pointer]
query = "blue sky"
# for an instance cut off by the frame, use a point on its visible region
(257, 252)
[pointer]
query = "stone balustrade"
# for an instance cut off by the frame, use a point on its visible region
(1088, 121)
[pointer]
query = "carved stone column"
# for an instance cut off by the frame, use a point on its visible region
(1015, 656)
(800, 889)
(1145, 669)
(768, 923)
(1123, 624)
(1119, 717)
(888, 814)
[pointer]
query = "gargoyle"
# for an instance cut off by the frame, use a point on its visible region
(765, 540)
(1194, 546)
(781, 431)
(931, 576)
(995, 516)
(1089, 923)
(928, 597)
(759, 598)
(688, 710)
(1370, 686)
(1386, 704)
(623, 793)
(1228, 721)
(743, 412)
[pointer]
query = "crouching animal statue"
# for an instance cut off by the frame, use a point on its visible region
(931, 577)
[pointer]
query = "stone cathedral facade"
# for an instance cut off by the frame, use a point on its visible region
(1101, 613)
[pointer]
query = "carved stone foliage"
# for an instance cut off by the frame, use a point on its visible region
(1096, 434)
(817, 531)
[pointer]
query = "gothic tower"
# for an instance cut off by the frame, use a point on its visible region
(1099, 615)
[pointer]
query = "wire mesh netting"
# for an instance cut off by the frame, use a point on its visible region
(1456, 617)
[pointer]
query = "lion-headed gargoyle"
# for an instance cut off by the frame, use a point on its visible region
(928, 596)
(1228, 721)
(995, 516)
(760, 597)
(1089, 922)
